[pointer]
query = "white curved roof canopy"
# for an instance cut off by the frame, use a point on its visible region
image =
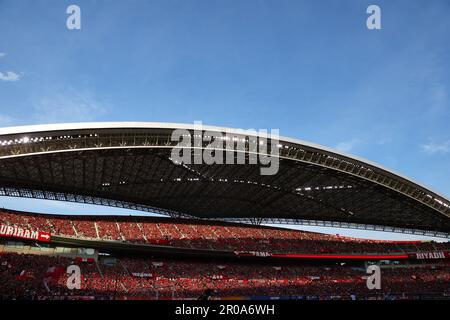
(300, 151)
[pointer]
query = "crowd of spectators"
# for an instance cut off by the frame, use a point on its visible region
(35, 277)
(206, 234)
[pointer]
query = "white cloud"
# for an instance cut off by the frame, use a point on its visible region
(68, 105)
(383, 141)
(5, 119)
(432, 147)
(9, 76)
(347, 146)
(439, 99)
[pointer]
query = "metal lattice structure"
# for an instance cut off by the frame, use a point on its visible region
(129, 165)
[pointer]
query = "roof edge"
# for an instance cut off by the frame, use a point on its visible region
(169, 125)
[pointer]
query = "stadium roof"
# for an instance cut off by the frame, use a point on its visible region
(128, 164)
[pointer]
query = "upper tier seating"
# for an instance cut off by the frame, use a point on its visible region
(207, 235)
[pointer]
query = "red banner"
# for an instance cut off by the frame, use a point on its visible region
(21, 233)
(432, 255)
(159, 241)
(142, 275)
(319, 256)
(252, 254)
(44, 236)
(80, 260)
(343, 256)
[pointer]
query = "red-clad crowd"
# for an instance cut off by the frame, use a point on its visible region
(206, 234)
(38, 277)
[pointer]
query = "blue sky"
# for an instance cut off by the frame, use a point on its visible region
(309, 68)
